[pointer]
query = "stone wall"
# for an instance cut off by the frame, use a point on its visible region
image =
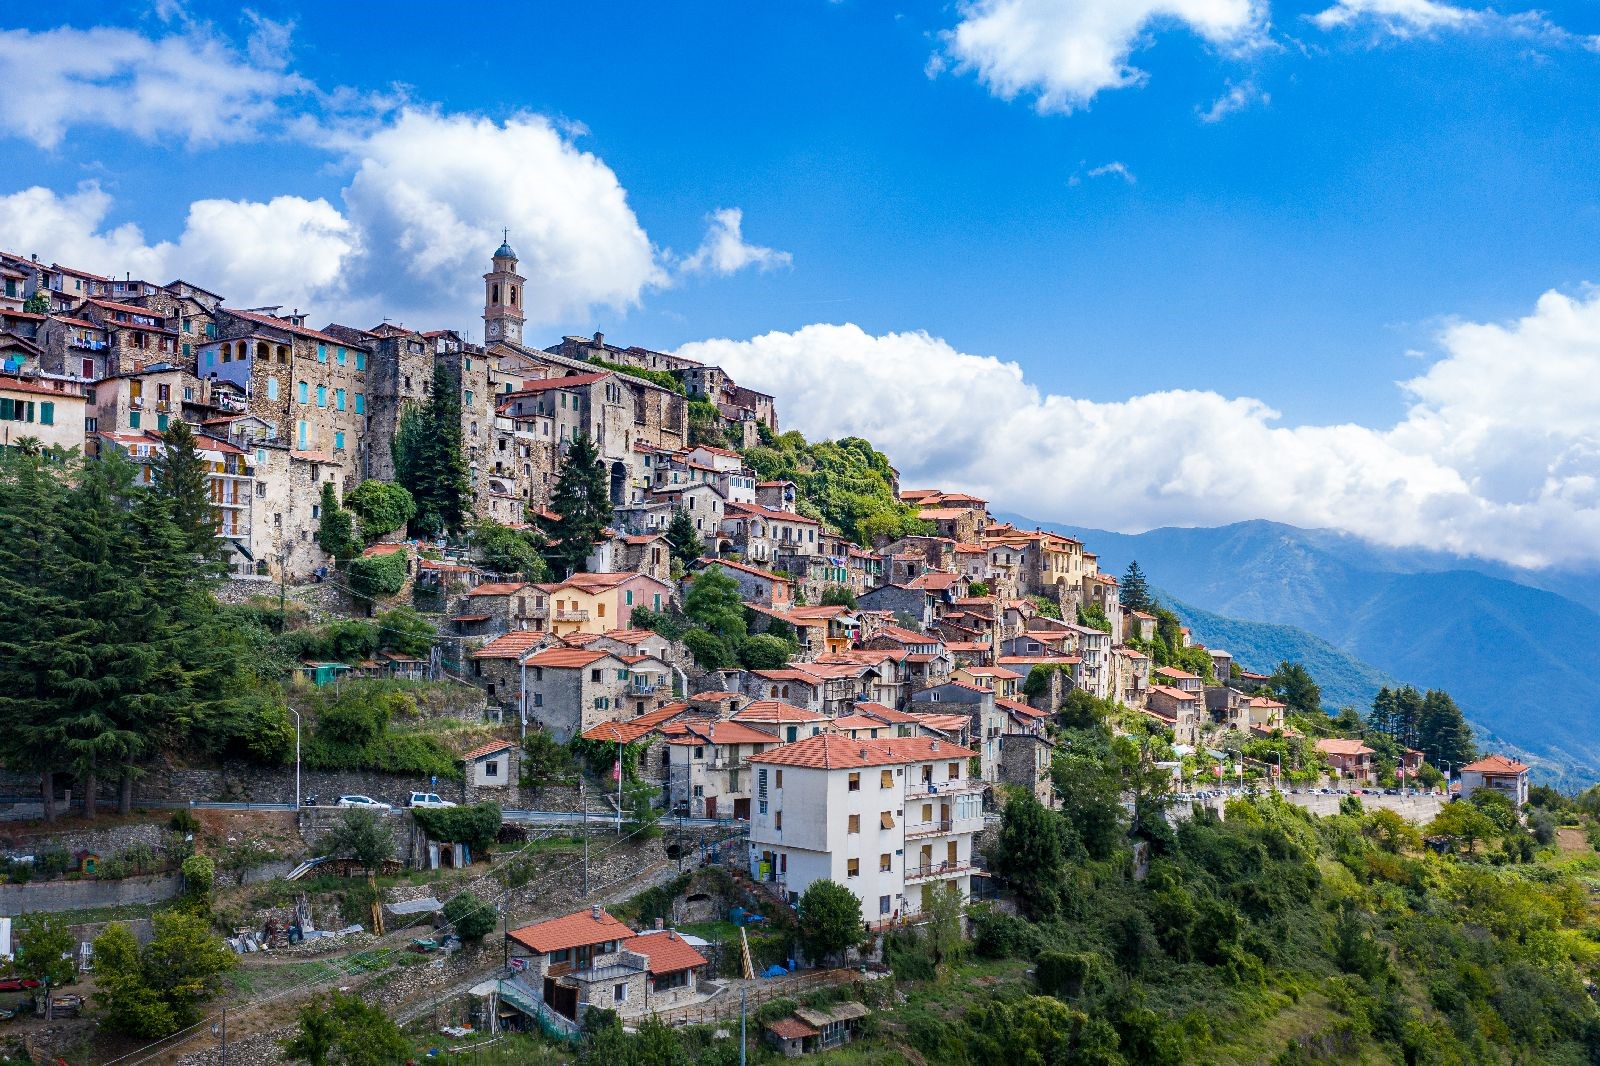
(103, 842)
(52, 896)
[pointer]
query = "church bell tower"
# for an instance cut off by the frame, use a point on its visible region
(502, 297)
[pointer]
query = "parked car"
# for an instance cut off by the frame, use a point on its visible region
(363, 803)
(427, 799)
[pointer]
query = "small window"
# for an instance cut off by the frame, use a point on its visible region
(886, 820)
(855, 782)
(852, 868)
(885, 862)
(883, 905)
(955, 771)
(341, 357)
(778, 783)
(855, 823)
(361, 403)
(338, 399)
(619, 993)
(777, 820)
(338, 439)
(322, 353)
(322, 395)
(595, 675)
(305, 392)
(491, 768)
(886, 777)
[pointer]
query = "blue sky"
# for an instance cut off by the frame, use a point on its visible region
(1053, 184)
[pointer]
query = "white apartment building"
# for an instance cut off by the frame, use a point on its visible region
(891, 819)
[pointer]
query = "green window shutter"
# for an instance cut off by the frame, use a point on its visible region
(47, 413)
(161, 423)
(133, 419)
(186, 349)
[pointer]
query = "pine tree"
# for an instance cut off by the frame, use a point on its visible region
(1135, 595)
(683, 538)
(1407, 717)
(182, 479)
(1443, 731)
(581, 503)
(1381, 719)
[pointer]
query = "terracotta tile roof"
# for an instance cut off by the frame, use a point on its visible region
(792, 1029)
(775, 711)
(907, 636)
(888, 714)
(944, 723)
(629, 636)
(991, 671)
(513, 645)
(1020, 707)
(715, 451)
(717, 697)
(1495, 764)
(1340, 746)
(574, 930)
(768, 513)
(568, 382)
(131, 309)
(666, 950)
(1173, 671)
(1039, 660)
(290, 327)
(498, 588)
(745, 568)
(833, 751)
(856, 721)
(729, 732)
(935, 580)
(633, 728)
(936, 514)
(10, 384)
(491, 748)
(567, 658)
(314, 457)
(384, 549)
(1174, 693)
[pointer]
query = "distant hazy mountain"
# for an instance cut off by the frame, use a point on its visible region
(1515, 656)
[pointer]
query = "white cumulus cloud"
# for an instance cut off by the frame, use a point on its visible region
(192, 85)
(1065, 52)
(1238, 97)
(287, 250)
(432, 192)
(725, 251)
(1498, 454)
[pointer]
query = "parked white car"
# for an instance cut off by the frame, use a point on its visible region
(363, 803)
(427, 799)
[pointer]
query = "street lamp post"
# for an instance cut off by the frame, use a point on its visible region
(1279, 756)
(296, 759)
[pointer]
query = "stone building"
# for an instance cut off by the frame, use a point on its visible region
(310, 385)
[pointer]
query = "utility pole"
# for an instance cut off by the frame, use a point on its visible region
(583, 801)
(742, 994)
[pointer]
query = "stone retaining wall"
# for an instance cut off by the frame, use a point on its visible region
(55, 896)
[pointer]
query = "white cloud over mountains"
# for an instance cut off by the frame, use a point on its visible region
(1498, 455)
(427, 196)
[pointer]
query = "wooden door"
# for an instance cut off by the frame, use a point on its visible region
(741, 810)
(711, 806)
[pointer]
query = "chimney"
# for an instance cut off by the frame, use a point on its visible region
(934, 746)
(594, 912)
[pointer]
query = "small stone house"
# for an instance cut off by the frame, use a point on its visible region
(808, 1030)
(491, 766)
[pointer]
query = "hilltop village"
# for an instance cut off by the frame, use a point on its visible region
(514, 588)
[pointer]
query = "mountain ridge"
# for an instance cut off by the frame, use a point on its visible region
(1511, 653)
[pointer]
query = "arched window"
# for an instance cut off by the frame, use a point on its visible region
(283, 353)
(494, 294)
(263, 353)
(513, 296)
(227, 352)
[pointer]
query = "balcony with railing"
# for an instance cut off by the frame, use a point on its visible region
(568, 614)
(928, 829)
(937, 870)
(924, 789)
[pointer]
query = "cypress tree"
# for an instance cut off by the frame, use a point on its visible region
(581, 503)
(180, 476)
(336, 528)
(36, 614)
(683, 538)
(428, 458)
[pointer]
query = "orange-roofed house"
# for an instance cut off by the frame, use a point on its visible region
(708, 766)
(594, 603)
(672, 965)
(1505, 776)
(1178, 710)
(891, 819)
(571, 690)
(1001, 681)
(576, 962)
(501, 605)
(1350, 758)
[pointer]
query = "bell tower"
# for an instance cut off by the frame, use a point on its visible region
(502, 297)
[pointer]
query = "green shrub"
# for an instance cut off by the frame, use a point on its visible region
(376, 576)
(476, 826)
